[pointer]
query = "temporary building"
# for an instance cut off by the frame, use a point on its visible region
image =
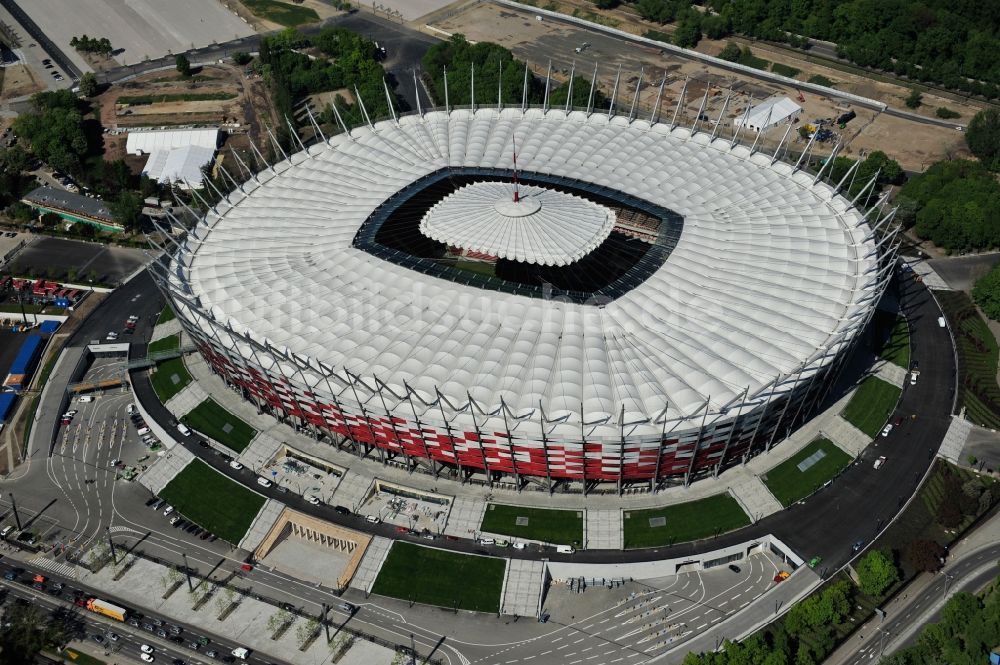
(175, 156)
(771, 113)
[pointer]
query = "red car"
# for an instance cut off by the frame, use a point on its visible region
(402, 529)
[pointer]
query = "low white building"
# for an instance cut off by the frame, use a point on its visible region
(175, 156)
(770, 113)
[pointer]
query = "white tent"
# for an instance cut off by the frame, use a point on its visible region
(771, 113)
(152, 140)
(175, 155)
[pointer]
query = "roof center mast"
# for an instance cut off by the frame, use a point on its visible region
(517, 193)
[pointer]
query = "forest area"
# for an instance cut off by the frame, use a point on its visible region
(953, 44)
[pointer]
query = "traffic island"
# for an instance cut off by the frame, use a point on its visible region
(872, 404)
(682, 522)
(215, 422)
(806, 471)
(213, 501)
(429, 576)
(562, 527)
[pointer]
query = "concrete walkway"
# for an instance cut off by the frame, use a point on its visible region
(930, 278)
(890, 373)
(371, 564)
(261, 525)
(523, 585)
(171, 327)
(955, 439)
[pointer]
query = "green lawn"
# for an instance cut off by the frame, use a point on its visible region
(692, 520)
(894, 335)
(871, 405)
(212, 501)
(212, 420)
(784, 70)
(438, 577)
(165, 344)
(977, 359)
(561, 527)
(789, 484)
(167, 314)
(285, 13)
(169, 378)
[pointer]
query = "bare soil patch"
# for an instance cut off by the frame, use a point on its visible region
(18, 81)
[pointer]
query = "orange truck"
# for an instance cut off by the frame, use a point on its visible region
(107, 609)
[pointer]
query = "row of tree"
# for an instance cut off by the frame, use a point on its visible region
(494, 74)
(940, 41)
(85, 44)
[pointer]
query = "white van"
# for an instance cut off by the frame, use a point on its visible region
(84, 399)
(240, 652)
(130, 409)
(142, 430)
(183, 429)
(564, 549)
(941, 322)
(7, 529)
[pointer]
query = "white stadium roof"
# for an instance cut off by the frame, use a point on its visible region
(767, 275)
(544, 226)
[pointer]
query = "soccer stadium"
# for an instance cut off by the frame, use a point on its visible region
(533, 295)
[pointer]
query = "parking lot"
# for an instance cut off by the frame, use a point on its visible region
(62, 259)
(297, 475)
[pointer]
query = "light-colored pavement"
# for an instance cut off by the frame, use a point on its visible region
(250, 623)
(602, 529)
(261, 525)
(927, 273)
(955, 440)
(171, 327)
(370, 564)
(523, 586)
(890, 373)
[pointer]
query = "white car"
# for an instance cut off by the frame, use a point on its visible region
(372, 519)
(145, 648)
(240, 652)
(168, 510)
(487, 541)
(879, 462)
(519, 546)
(146, 657)
(111, 336)
(70, 413)
(183, 429)
(263, 482)
(235, 465)
(913, 378)
(313, 500)
(887, 429)
(133, 317)
(130, 409)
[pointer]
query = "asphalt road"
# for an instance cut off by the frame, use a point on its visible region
(970, 574)
(130, 637)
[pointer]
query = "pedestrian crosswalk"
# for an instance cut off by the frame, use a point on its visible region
(61, 569)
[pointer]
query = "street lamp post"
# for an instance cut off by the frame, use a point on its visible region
(944, 592)
(187, 572)
(111, 543)
(17, 518)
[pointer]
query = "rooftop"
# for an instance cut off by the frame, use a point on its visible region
(85, 206)
(543, 226)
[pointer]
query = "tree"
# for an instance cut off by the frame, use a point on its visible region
(925, 555)
(183, 65)
(606, 4)
(876, 573)
(85, 230)
(986, 293)
(127, 210)
(88, 84)
(731, 52)
(915, 99)
(983, 137)
(688, 32)
(946, 113)
(26, 631)
(242, 58)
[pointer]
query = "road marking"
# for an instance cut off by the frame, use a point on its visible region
(702, 626)
(586, 650)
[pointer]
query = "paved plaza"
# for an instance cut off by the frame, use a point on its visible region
(145, 583)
